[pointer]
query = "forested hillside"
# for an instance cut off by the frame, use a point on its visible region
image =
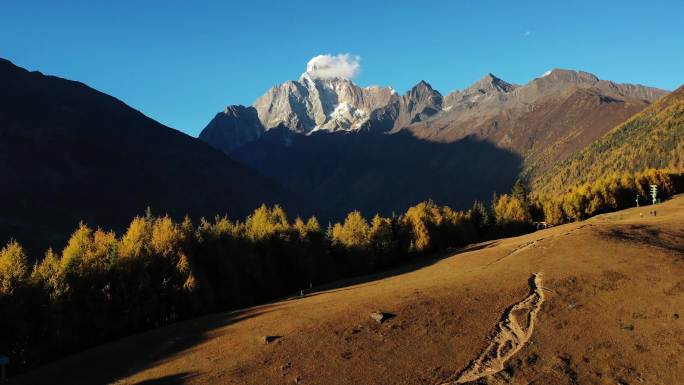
(102, 285)
(653, 138)
(160, 270)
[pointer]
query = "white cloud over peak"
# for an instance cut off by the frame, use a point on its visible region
(342, 65)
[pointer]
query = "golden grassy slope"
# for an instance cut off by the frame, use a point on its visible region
(613, 301)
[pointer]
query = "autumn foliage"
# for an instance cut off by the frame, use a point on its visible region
(103, 285)
(605, 194)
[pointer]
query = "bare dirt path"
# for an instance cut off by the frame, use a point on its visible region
(512, 333)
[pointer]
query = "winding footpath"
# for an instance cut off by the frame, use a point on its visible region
(512, 333)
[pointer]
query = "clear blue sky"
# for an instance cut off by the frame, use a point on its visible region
(181, 61)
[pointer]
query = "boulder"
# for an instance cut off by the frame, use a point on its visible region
(381, 317)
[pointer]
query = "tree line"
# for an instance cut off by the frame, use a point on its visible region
(605, 194)
(653, 138)
(103, 286)
(581, 201)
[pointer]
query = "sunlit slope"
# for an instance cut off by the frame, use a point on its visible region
(595, 302)
(653, 138)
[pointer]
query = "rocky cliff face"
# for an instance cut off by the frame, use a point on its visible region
(490, 108)
(335, 104)
(232, 128)
(490, 90)
(555, 79)
(420, 103)
(309, 104)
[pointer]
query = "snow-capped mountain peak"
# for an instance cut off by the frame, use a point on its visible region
(331, 103)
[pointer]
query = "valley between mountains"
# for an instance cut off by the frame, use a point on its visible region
(321, 180)
(343, 147)
(327, 193)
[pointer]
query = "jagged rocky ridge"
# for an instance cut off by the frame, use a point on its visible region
(336, 104)
(389, 151)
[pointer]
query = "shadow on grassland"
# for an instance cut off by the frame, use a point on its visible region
(107, 363)
(409, 266)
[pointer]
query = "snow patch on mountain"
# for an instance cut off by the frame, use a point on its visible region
(324, 98)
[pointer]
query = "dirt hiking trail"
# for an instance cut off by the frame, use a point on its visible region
(512, 333)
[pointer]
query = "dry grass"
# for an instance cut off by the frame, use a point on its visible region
(613, 299)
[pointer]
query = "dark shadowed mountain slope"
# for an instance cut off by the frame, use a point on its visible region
(653, 138)
(376, 172)
(70, 153)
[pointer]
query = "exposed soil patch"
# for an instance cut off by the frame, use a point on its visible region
(512, 333)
